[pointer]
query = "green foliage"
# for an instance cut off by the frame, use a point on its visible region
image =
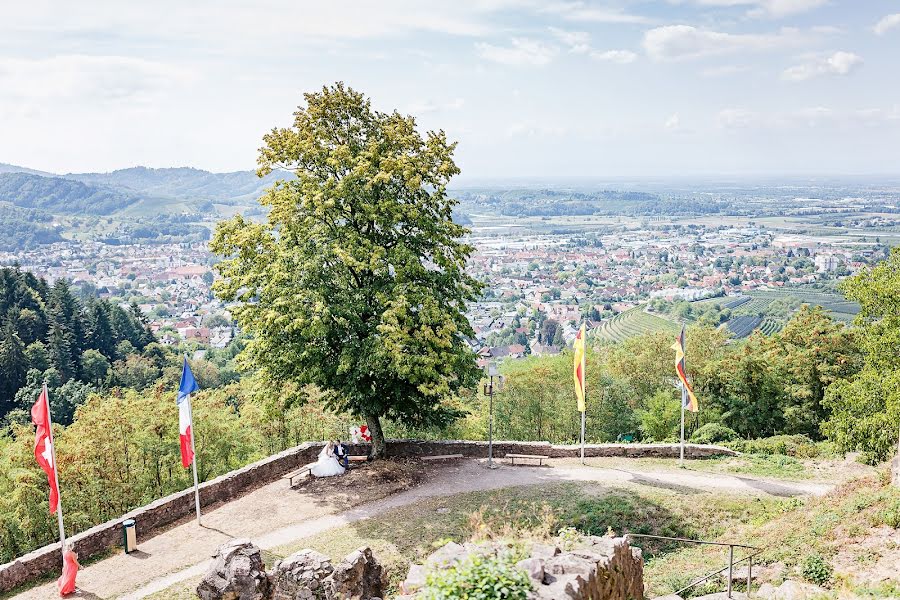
(59, 195)
(661, 418)
(799, 446)
(713, 433)
(816, 569)
(479, 577)
(356, 282)
(865, 408)
(23, 229)
(50, 331)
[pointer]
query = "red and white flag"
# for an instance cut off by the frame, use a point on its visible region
(43, 444)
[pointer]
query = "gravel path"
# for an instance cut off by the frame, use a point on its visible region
(275, 515)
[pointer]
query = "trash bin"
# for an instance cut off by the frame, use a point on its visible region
(129, 535)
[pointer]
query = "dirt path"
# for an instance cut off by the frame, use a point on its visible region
(275, 515)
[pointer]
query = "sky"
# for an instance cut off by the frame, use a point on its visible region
(555, 88)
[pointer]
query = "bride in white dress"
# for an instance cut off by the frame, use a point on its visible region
(327, 465)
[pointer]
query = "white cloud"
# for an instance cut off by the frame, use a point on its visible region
(736, 118)
(682, 42)
(886, 23)
(428, 106)
(520, 52)
(773, 9)
(839, 63)
(582, 12)
(578, 42)
(673, 122)
(622, 57)
(87, 79)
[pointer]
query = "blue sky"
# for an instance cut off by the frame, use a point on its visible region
(527, 87)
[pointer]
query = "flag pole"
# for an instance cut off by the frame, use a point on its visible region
(681, 455)
(194, 462)
(59, 510)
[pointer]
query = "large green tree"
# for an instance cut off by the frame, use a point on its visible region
(865, 408)
(356, 283)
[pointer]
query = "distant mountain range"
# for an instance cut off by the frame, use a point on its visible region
(170, 190)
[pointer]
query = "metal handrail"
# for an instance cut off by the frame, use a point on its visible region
(754, 551)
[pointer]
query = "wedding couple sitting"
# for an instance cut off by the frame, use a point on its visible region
(334, 459)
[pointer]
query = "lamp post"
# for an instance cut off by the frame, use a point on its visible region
(489, 390)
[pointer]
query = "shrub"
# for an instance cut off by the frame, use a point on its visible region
(479, 577)
(661, 417)
(799, 446)
(816, 569)
(713, 433)
(891, 514)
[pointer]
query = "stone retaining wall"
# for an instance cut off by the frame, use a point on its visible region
(167, 510)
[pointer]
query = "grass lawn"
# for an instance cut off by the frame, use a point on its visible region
(760, 465)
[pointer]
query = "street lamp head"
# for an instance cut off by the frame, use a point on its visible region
(492, 371)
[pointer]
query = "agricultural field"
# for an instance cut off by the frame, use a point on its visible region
(766, 311)
(633, 322)
(741, 327)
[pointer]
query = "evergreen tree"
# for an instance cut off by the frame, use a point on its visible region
(13, 366)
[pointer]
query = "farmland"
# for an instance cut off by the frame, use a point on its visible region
(761, 310)
(633, 322)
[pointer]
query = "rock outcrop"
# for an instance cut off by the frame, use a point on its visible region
(237, 572)
(300, 576)
(601, 568)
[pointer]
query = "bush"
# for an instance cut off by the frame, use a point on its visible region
(713, 433)
(798, 446)
(891, 514)
(479, 577)
(660, 418)
(816, 569)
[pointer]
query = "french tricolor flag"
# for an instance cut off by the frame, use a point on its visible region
(185, 435)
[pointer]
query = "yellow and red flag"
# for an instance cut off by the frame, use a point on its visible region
(579, 348)
(689, 399)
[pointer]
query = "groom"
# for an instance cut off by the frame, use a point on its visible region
(342, 453)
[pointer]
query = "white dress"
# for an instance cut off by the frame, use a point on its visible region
(327, 465)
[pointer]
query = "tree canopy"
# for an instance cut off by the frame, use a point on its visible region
(356, 283)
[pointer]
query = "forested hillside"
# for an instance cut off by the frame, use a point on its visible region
(48, 334)
(24, 229)
(61, 196)
(183, 183)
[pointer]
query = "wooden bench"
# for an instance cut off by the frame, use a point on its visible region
(442, 457)
(540, 458)
(305, 471)
(358, 458)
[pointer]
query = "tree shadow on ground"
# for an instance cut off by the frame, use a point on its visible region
(642, 479)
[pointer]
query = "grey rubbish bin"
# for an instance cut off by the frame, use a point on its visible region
(129, 536)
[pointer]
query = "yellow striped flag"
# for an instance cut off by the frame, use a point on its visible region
(690, 401)
(578, 371)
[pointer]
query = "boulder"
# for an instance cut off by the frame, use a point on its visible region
(358, 577)
(415, 579)
(534, 567)
(797, 590)
(301, 576)
(237, 572)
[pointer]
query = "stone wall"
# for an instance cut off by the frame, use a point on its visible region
(165, 511)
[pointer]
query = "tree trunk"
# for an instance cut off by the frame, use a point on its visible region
(379, 448)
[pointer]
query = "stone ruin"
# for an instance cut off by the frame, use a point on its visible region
(237, 572)
(600, 568)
